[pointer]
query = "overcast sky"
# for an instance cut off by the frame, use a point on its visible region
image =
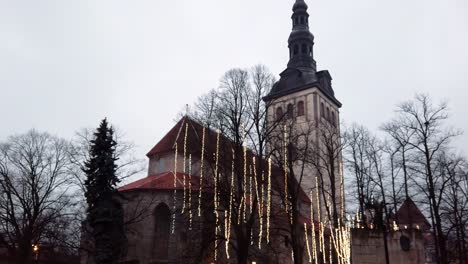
(65, 64)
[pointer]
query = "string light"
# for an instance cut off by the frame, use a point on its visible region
(286, 196)
(185, 165)
(201, 172)
(231, 197)
(269, 200)
(190, 193)
(245, 177)
(175, 188)
(216, 203)
(259, 203)
(314, 243)
(307, 243)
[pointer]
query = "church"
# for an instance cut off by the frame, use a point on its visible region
(208, 199)
(170, 211)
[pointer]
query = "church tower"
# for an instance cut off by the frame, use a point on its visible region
(304, 96)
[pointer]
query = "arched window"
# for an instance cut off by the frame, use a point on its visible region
(302, 20)
(290, 111)
(162, 226)
(279, 113)
(296, 21)
(300, 108)
(304, 49)
(310, 51)
(334, 119)
(322, 110)
(328, 113)
(296, 49)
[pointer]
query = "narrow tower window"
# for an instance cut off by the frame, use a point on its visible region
(289, 113)
(300, 108)
(333, 119)
(322, 110)
(296, 49)
(304, 49)
(279, 113)
(302, 20)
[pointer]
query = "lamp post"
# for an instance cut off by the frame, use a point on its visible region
(35, 248)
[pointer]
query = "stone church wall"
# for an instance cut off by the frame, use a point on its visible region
(367, 247)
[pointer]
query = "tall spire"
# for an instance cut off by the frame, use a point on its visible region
(301, 41)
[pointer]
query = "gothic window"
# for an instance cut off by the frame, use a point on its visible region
(333, 118)
(304, 49)
(322, 110)
(300, 108)
(162, 226)
(328, 113)
(296, 49)
(279, 113)
(290, 111)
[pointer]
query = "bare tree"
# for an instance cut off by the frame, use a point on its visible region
(454, 207)
(35, 193)
(236, 110)
(424, 121)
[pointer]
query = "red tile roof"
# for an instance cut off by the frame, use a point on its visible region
(162, 181)
(194, 141)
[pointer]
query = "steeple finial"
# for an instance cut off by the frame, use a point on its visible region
(301, 41)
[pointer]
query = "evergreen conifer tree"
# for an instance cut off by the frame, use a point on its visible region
(105, 214)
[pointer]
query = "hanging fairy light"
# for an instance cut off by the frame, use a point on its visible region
(314, 243)
(175, 189)
(226, 233)
(307, 243)
(190, 193)
(245, 177)
(216, 203)
(185, 167)
(259, 204)
(286, 196)
(201, 172)
(269, 200)
(231, 198)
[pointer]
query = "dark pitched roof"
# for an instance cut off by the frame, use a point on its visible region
(409, 214)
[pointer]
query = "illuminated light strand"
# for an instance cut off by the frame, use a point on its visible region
(250, 190)
(216, 203)
(201, 173)
(269, 201)
(307, 243)
(190, 193)
(319, 219)
(231, 198)
(185, 166)
(262, 208)
(259, 203)
(245, 180)
(239, 218)
(226, 233)
(314, 245)
(330, 246)
(175, 189)
(286, 196)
